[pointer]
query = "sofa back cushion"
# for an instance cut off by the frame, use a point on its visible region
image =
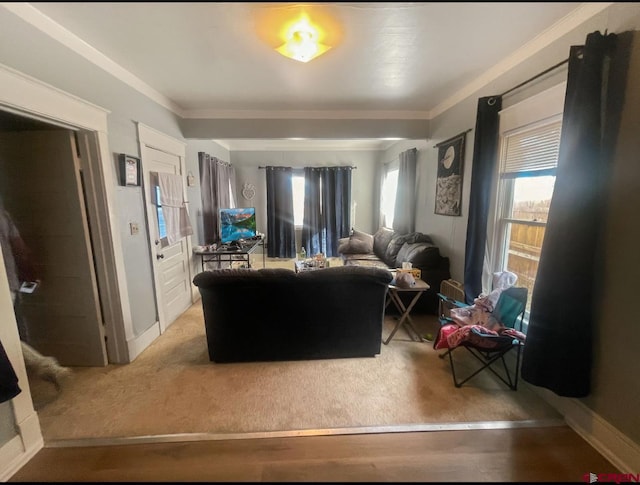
(242, 276)
(273, 277)
(381, 240)
(393, 248)
(421, 255)
(396, 243)
(417, 237)
(276, 314)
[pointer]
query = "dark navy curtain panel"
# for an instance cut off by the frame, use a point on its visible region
(336, 207)
(485, 158)
(558, 352)
(8, 379)
(327, 209)
(281, 239)
(404, 214)
(312, 233)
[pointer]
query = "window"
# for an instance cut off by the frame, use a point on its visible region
(162, 226)
(388, 196)
(528, 161)
(298, 200)
(232, 197)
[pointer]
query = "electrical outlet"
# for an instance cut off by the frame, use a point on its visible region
(135, 229)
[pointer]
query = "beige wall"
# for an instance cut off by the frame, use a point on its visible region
(362, 179)
(616, 386)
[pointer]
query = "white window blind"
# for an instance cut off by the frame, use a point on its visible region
(531, 150)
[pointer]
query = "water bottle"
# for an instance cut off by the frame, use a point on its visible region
(303, 254)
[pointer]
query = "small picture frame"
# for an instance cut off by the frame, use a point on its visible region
(129, 170)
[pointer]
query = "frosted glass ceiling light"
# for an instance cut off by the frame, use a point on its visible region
(302, 42)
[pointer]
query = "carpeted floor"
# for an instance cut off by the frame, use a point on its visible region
(173, 388)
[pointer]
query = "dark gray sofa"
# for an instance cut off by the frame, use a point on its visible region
(277, 314)
(389, 249)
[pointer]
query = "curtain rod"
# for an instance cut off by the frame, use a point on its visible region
(535, 77)
(332, 166)
(452, 138)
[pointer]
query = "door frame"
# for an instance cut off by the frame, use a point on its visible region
(26, 96)
(150, 138)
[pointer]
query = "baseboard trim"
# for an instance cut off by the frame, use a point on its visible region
(608, 440)
(605, 438)
(408, 428)
(138, 344)
(14, 455)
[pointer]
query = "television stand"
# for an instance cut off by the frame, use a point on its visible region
(227, 253)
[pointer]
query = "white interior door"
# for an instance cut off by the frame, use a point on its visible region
(170, 262)
(46, 196)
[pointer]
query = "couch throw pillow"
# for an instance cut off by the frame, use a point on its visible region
(362, 241)
(381, 240)
(343, 246)
(358, 243)
(355, 246)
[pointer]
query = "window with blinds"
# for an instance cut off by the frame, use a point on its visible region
(531, 152)
(529, 157)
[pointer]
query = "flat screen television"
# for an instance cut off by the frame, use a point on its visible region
(237, 223)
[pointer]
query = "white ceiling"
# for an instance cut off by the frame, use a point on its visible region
(217, 59)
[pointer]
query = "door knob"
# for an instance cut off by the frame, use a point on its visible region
(159, 256)
(157, 242)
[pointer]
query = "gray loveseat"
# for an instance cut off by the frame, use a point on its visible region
(389, 249)
(277, 314)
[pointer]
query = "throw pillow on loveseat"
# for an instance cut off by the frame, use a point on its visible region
(381, 240)
(358, 242)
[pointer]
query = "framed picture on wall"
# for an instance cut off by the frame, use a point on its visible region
(449, 176)
(129, 170)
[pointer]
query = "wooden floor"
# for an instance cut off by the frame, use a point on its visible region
(553, 454)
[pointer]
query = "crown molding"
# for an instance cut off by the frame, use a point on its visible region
(265, 145)
(37, 19)
(565, 25)
(223, 143)
(27, 96)
(48, 26)
(305, 114)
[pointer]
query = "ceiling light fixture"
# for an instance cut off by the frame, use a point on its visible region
(302, 41)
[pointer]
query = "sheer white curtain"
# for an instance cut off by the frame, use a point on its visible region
(388, 188)
(404, 212)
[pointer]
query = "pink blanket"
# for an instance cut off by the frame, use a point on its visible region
(477, 327)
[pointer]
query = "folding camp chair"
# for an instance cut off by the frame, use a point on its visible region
(488, 349)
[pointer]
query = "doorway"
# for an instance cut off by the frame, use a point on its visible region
(28, 98)
(42, 185)
(172, 270)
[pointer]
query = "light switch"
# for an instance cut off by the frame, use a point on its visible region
(134, 228)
